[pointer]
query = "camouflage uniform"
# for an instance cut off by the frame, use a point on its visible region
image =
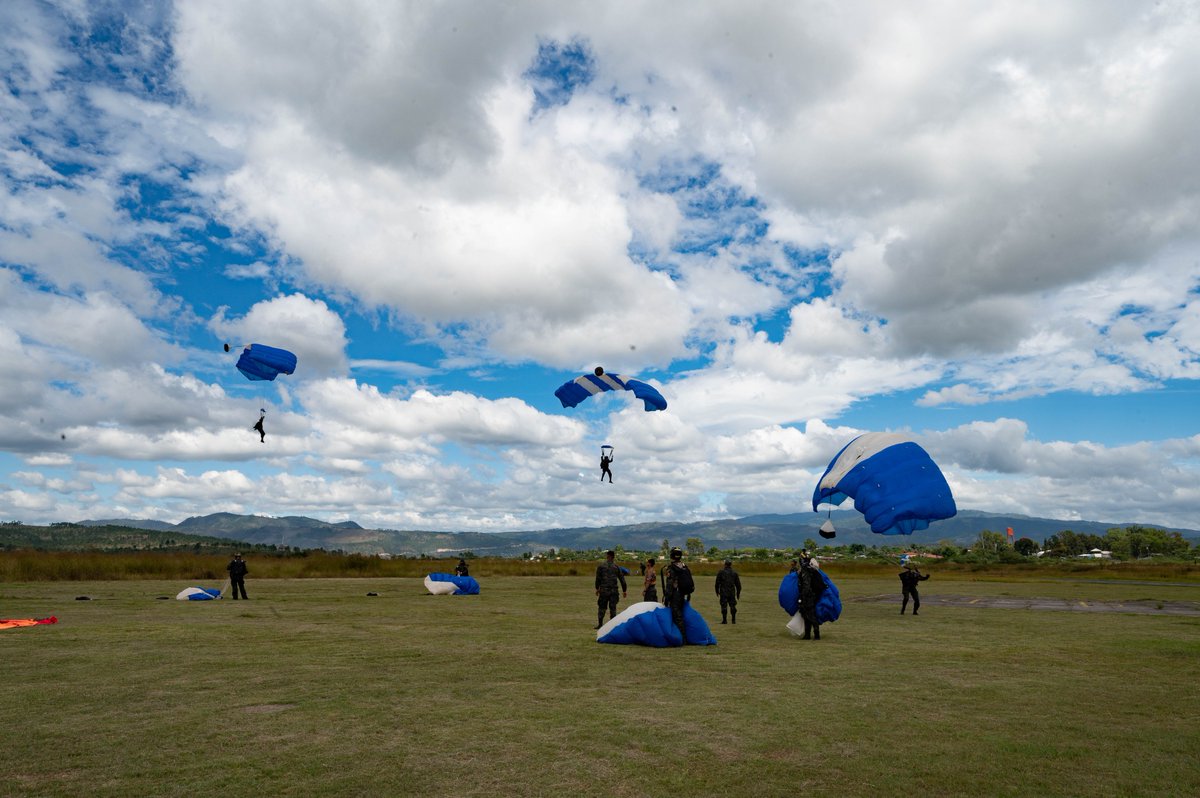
(608, 577)
(673, 595)
(909, 578)
(811, 588)
(729, 590)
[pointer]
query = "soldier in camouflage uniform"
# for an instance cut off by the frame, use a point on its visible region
(677, 586)
(608, 576)
(729, 590)
(811, 588)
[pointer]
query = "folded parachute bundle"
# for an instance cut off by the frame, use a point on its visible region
(13, 623)
(199, 594)
(451, 585)
(649, 623)
(829, 605)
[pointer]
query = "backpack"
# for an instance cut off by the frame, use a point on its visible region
(684, 582)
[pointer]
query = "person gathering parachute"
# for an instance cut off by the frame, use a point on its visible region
(440, 584)
(260, 362)
(574, 391)
(894, 483)
(810, 597)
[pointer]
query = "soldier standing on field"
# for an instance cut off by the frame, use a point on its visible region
(237, 576)
(677, 588)
(729, 590)
(608, 576)
(909, 578)
(649, 582)
(811, 588)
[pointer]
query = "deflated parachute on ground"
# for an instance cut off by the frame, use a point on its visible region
(648, 623)
(451, 585)
(199, 594)
(573, 392)
(829, 605)
(259, 362)
(893, 481)
(14, 623)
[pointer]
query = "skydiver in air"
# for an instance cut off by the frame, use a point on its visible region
(605, 459)
(258, 427)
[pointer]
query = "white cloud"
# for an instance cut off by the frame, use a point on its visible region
(307, 327)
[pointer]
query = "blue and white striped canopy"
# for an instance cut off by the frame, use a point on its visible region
(573, 392)
(440, 584)
(649, 623)
(894, 483)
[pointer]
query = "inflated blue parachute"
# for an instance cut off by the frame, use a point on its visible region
(573, 392)
(451, 585)
(649, 623)
(259, 362)
(893, 481)
(829, 605)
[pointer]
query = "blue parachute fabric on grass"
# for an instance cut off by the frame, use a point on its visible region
(573, 392)
(259, 362)
(894, 483)
(199, 594)
(648, 623)
(463, 585)
(829, 605)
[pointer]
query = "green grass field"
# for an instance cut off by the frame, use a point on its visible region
(314, 688)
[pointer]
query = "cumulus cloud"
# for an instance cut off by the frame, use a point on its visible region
(777, 214)
(307, 327)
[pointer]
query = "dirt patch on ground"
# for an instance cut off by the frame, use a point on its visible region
(1142, 607)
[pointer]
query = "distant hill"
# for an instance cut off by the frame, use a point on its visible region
(756, 531)
(115, 536)
(130, 523)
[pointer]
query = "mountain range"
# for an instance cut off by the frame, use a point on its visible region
(756, 531)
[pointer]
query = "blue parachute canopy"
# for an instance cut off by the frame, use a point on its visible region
(829, 605)
(649, 623)
(451, 585)
(893, 481)
(199, 594)
(573, 392)
(259, 362)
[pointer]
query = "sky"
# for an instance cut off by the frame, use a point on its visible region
(972, 222)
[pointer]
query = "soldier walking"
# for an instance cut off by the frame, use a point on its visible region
(909, 578)
(608, 576)
(729, 590)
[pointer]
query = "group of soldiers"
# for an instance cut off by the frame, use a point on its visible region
(677, 588)
(678, 585)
